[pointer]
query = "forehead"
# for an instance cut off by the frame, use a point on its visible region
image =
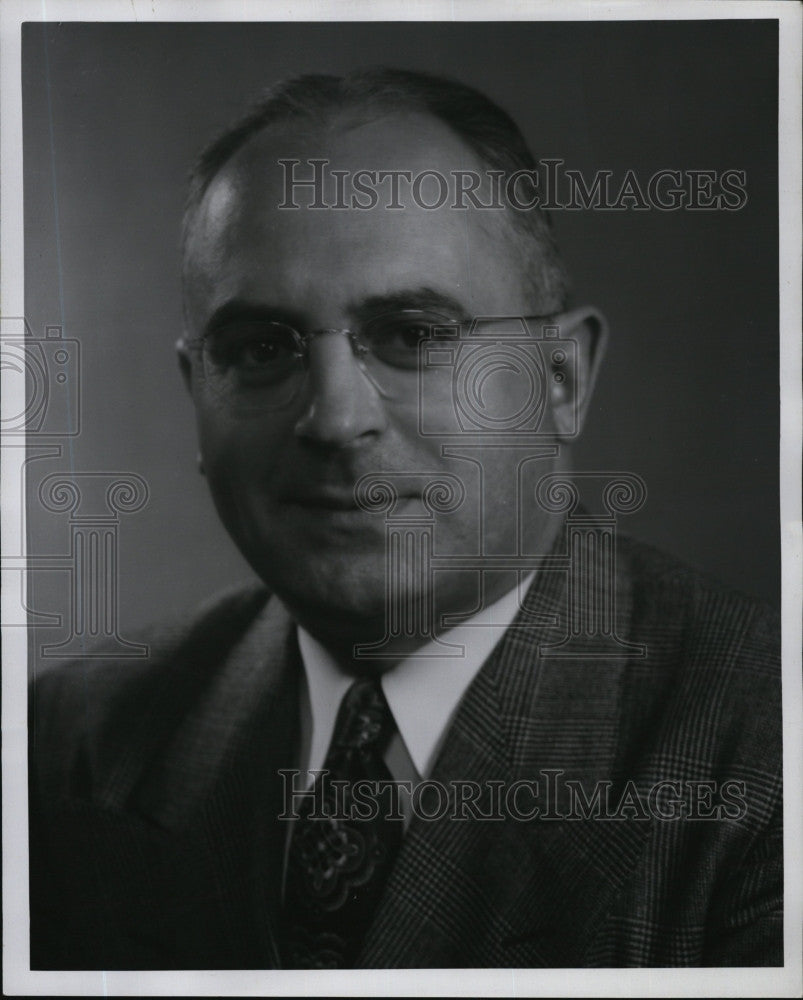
(245, 244)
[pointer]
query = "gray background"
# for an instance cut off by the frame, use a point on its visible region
(114, 115)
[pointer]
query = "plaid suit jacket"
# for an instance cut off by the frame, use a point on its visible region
(155, 792)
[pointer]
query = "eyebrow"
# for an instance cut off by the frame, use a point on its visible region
(244, 310)
(423, 297)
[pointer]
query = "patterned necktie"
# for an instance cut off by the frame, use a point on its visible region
(340, 852)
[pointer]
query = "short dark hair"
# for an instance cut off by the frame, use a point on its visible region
(488, 130)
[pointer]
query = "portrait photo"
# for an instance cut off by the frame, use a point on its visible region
(398, 532)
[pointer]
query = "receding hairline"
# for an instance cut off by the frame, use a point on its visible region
(312, 103)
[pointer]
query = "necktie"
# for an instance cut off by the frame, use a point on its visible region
(343, 846)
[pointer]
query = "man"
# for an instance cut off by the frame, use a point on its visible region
(585, 748)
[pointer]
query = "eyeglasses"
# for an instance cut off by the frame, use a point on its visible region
(257, 365)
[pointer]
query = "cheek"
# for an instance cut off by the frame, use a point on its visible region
(243, 463)
(240, 452)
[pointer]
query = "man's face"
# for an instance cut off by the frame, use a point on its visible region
(283, 478)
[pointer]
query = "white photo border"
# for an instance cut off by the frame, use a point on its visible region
(18, 979)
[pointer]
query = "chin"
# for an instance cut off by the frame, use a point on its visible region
(342, 584)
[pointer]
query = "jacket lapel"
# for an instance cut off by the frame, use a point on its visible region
(508, 892)
(204, 814)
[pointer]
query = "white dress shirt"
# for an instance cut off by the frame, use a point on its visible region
(423, 691)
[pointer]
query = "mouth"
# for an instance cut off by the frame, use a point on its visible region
(324, 500)
(334, 500)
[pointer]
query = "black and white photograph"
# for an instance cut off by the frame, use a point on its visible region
(401, 509)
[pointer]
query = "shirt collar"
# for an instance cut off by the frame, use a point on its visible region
(423, 690)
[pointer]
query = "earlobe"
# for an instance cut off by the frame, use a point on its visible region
(572, 372)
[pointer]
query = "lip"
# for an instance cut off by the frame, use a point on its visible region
(333, 500)
(326, 500)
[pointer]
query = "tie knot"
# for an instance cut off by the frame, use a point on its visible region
(364, 718)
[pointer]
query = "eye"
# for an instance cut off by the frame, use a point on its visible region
(396, 338)
(253, 349)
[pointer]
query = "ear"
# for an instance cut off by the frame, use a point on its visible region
(572, 384)
(184, 363)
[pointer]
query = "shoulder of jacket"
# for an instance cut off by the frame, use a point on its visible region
(86, 709)
(708, 689)
(700, 611)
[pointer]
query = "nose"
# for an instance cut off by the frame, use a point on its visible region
(341, 404)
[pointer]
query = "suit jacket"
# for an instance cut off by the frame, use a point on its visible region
(155, 792)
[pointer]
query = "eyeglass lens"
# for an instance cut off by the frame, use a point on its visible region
(255, 364)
